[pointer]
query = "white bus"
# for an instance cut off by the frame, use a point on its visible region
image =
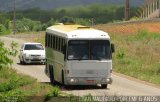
(78, 55)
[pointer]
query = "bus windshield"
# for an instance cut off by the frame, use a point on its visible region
(89, 50)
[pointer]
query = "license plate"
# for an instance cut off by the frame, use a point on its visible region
(36, 58)
(90, 81)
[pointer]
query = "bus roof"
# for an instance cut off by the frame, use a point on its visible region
(76, 31)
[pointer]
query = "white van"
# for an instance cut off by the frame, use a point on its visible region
(32, 53)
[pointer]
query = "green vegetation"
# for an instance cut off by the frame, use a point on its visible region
(20, 88)
(4, 24)
(16, 87)
(99, 13)
(54, 92)
(5, 61)
(38, 20)
(26, 25)
(138, 55)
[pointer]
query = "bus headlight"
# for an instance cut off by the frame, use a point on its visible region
(107, 80)
(73, 80)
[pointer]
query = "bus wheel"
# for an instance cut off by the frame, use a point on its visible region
(63, 84)
(51, 74)
(62, 77)
(104, 86)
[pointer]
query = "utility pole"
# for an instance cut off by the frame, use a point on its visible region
(14, 18)
(127, 10)
(159, 8)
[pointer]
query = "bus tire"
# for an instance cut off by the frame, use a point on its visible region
(104, 86)
(51, 74)
(62, 77)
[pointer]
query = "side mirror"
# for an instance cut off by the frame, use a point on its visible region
(21, 50)
(64, 49)
(112, 48)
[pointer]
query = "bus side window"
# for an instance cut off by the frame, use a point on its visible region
(58, 43)
(64, 51)
(59, 49)
(46, 40)
(50, 41)
(62, 44)
(64, 48)
(53, 42)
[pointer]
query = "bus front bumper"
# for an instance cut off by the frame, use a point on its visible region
(88, 81)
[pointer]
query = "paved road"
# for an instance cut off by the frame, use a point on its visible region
(120, 86)
(36, 71)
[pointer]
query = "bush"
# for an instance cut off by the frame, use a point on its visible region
(145, 35)
(82, 21)
(6, 53)
(120, 54)
(141, 35)
(26, 25)
(3, 30)
(14, 96)
(51, 22)
(66, 19)
(54, 92)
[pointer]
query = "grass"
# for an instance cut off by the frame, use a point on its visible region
(138, 55)
(12, 81)
(20, 88)
(137, 49)
(54, 92)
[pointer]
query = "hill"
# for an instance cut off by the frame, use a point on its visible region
(7, 5)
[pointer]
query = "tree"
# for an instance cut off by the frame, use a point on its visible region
(2, 29)
(6, 53)
(67, 19)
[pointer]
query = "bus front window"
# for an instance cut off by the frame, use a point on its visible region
(78, 50)
(89, 50)
(100, 50)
